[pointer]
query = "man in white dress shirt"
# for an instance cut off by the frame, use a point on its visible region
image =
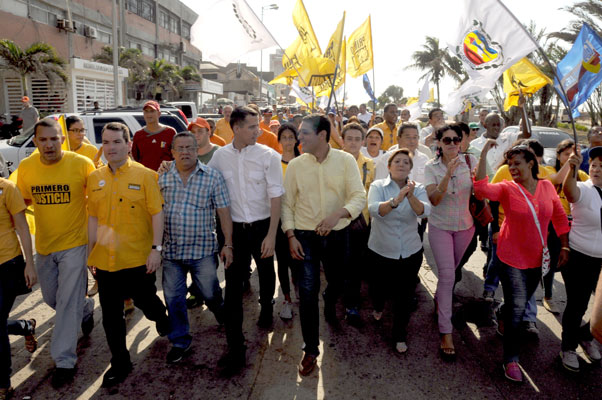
(253, 175)
(407, 136)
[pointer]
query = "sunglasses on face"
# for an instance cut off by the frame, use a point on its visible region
(447, 140)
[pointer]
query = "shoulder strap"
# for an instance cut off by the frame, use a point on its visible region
(598, 190)
(365, 173)
(532, 212)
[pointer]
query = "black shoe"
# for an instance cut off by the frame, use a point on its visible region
(88, 325)
(232, 362)
(163, 326)
(219, 316)
(62, 376)
(266, 317)
(176, 354)
(116, 375)
(193, 302)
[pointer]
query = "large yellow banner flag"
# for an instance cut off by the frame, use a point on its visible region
(306, 31)
(295, 54)
(359, 47)
(316, 71)
(523, 75)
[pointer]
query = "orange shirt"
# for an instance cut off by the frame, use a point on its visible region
(264, 126)
(269, 139)
(223, 130)
(217, 140)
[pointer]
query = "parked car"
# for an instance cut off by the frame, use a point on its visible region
(548, 137)
(19, 147)
(188, 108)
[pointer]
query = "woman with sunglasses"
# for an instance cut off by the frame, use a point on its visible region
(448, 184)
(287, 137)
(522, 238)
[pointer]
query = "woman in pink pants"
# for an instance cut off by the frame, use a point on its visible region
(448, 183)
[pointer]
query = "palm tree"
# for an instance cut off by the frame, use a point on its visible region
(162, 76)
(37, 59)
(128, 58)
(589, 11)
(190, 73)
(437, 61)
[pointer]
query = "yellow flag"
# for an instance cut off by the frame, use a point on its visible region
(431, 98)
(306, 31)
(359, 46)
(326, 86)
(295, 54)
(63, 124)
(411, 101)
(316, 71)
(526, 76)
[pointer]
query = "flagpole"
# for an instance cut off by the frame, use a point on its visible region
(547, 60)
(334, 79)
(373, 89)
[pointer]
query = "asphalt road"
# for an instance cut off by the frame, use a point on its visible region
(354, 363)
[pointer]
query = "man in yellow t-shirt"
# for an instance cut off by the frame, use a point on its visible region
(54, 181)
(223, 128)
(125, 231)
(389, 126)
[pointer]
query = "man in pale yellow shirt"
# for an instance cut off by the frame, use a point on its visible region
(125, 232)
(353, 138)
(323, 194)
(54, 181)
(223, 128)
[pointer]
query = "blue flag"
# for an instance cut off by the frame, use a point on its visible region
(368, 88)
(579, 71)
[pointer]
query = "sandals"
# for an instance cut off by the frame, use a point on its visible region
(447, 353)
(31, 343)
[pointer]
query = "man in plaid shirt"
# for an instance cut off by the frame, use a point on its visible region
(193, 192)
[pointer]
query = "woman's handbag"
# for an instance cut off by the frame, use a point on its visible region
(545, 256)
(479, 209)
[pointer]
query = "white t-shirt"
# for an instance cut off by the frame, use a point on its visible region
(365, 117)
(424, 132)
(417, 174)
(364, 151)
(586, 229)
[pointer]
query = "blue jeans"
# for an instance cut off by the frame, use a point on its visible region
(204, 275)
(519, 286)
(333, 252)
(492, 281)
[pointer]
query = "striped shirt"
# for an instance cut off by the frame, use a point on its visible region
(189, 232)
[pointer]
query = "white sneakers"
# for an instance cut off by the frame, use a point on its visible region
(287, 310)
(401, 347)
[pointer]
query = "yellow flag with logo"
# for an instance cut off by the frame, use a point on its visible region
(326, 86)
(305, 29)
(63, 124)
(291, 62)
(359, 47)
(316, 71)
(523, 75)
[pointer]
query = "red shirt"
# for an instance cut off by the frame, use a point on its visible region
(151, 150)
(519, 244)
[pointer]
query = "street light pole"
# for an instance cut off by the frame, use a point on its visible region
(268, 7)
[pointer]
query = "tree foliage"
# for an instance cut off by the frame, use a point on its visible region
(393, 94)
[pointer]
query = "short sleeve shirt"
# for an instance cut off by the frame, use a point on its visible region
(11, 203)
(586, 229)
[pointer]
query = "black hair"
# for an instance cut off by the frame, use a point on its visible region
(464, 127)
(439, 134)
(527, 154)
(404, 126)
(72, 119)
(239, 114)
(353, 125)
(181, 135)
(535, 146)
(318, 124)
(290, 127)
(560, 148)
(389, 106)
(434, 110)
(47, 123)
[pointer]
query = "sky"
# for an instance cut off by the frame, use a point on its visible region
(399, 28)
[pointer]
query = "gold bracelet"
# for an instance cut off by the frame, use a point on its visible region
(565, 248)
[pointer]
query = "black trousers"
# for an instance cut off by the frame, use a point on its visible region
(395, 279)
(113, 289)
(580, 277)
(358, 245)
(246, 240)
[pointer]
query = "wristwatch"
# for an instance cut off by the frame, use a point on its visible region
(392, 203)
(158, 248)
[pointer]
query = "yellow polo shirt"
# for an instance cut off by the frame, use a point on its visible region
(367, 178)
(389, 136)
(123, 203)
(11, 203)
(90, 151)
(223, 130)
(58, 194)
(315, 190)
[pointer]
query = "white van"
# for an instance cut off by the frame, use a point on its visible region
(188, 108)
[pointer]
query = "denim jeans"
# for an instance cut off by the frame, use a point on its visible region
(204, 275)
(492, 281)
(580, 277)
(333, 252)
(519, 286)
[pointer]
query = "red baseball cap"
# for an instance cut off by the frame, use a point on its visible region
(201, 123)
(152, 104)
(24, 99)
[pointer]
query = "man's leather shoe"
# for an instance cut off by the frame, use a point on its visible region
(232, 362)
(115, 375)
(308, 363)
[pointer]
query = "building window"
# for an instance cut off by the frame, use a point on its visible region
(164, 21)
(210, 76)
(104, 37)
(142, 8)
(186, 30)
